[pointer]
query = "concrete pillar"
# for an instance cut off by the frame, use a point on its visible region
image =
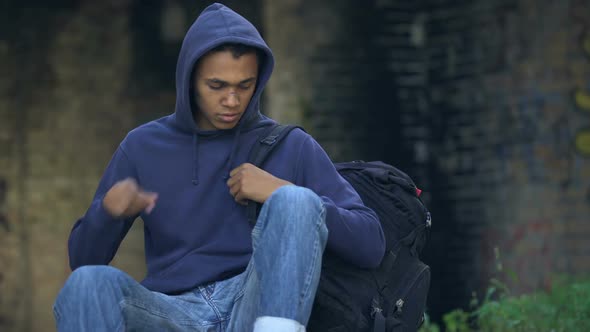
(294, 29)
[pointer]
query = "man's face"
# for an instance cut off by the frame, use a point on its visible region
(224, 86)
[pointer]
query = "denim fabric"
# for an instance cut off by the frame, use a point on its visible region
(279, 282)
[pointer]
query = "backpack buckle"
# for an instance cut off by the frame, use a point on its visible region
(375, 311)
(269, 140)
(376, 307)
(428, 219)
(399, 304)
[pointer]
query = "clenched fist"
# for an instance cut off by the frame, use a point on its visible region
(126, 199)
(250, 182)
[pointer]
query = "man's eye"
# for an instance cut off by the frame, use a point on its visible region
(215, 86)
(245, 86)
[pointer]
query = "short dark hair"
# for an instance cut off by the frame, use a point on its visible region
(237, 50)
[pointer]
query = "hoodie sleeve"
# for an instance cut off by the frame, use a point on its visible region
(96, 236)
(354, 231)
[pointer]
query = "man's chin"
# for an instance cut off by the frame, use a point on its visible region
(226, 125)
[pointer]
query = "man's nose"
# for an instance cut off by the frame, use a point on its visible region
(232, 100)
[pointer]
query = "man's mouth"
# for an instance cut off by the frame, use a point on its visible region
(229, 117)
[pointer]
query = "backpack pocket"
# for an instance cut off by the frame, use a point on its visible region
(405, 299)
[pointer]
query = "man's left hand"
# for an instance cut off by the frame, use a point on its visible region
(248, 182)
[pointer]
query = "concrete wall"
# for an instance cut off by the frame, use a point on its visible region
(63, 110)
(71, 86)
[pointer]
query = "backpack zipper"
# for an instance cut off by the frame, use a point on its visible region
(400, 302)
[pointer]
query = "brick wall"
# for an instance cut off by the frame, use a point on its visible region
(331, 75)
(505, 123)
(504, 100)
(484, 103)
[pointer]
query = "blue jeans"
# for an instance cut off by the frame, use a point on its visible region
(274, 293)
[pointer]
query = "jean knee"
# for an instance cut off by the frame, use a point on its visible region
(296, 198)
(86, 279)
(295, 202)
(93, 274)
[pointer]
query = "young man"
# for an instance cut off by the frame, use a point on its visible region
(186, 176)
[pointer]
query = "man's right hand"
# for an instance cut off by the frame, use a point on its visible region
(126, 199)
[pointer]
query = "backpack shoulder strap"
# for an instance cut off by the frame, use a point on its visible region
(262, 148)
(266, 142)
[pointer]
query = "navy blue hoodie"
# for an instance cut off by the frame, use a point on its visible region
(197, 233)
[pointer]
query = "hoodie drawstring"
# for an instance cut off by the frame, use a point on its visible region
(195, 160)
(232, 154)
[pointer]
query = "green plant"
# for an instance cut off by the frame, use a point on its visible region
(566, 307)
(457, 321)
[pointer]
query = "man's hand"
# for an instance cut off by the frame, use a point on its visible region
(250, 182)
(126, 199)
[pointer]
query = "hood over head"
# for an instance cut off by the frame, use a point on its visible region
(218, 25)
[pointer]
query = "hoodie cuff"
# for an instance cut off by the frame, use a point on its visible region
(102, 215)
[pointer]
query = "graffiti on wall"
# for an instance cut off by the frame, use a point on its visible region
(546, 131)
(536, 137)
(581, 97)
(582, 102)
(540, 135)
(522, 256)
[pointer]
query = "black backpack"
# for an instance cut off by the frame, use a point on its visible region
(391, 297)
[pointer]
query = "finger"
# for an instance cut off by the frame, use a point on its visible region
(232, 180)
(150, 208)
(236, 170)
(240, 199)
(234, 189)
(146, 200)
(148, 197)
(153, 198)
